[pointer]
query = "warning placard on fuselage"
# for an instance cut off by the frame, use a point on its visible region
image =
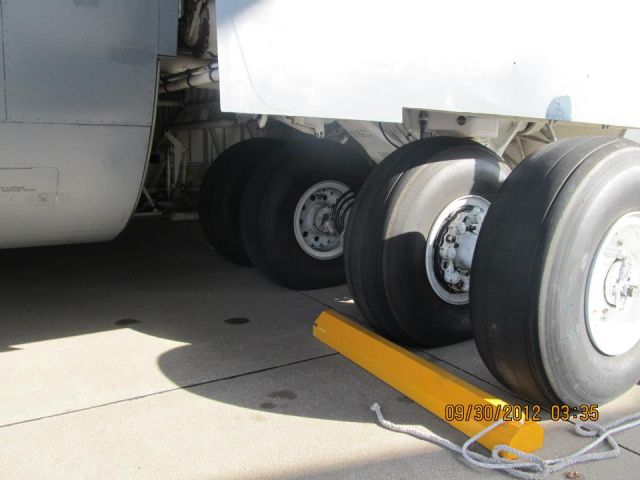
(28, 186)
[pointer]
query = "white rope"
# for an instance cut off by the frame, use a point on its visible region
(528, 466)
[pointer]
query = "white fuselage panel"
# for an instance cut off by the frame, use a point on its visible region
(367, 59)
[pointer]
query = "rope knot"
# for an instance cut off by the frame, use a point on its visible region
(527, 466)
(589, 429)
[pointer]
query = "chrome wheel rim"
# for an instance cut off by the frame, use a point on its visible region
(613, 289)
(313, 222)
(450, 247)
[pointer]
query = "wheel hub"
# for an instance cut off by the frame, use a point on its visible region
(450, 247)
(313, 220)
(616, 284)
(613, 289)
(323, 220)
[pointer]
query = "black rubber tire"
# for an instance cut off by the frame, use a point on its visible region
(269, 205)
(531, 266)
(387, 236)
(201, 47)
(221, 193)
(250, 209)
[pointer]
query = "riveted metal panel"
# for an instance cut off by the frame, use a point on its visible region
(81, 61)
(3, 111)
(558, 61)
(168, 13)
(68, 183)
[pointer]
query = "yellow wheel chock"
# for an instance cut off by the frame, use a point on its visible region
(426, 384)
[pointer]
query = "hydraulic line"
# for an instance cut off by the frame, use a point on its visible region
(190, 78)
